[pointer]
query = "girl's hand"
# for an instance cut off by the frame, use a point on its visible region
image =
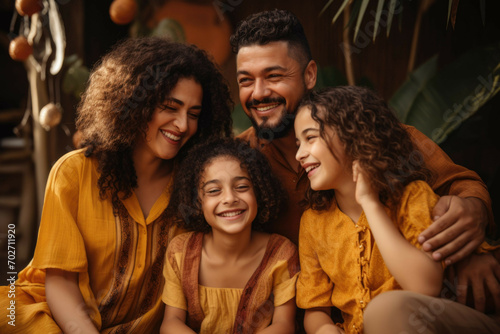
(364, 190)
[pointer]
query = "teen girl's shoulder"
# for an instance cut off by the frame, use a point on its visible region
(420, 192)
(311, 216)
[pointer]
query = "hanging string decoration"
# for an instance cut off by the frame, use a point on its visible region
(40, 43)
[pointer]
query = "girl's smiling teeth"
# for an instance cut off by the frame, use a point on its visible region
(311, 167)
(230, 213)
(170, 135)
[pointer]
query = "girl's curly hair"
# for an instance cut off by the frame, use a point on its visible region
(124, 89)
(185, 208)
(371, 134)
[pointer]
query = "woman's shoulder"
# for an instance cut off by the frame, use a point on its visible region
(70, 167)
(71, 160)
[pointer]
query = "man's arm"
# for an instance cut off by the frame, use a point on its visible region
(480, 273)
(460, 219)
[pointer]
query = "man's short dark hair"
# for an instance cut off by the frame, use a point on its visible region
(273, 26)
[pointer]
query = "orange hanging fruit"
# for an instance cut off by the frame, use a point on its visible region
(28, 7)
(122, 11)
(20, 49)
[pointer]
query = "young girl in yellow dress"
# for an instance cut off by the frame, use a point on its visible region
(368, 203)
(227, 276)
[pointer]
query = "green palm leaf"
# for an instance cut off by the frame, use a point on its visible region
(439, 103)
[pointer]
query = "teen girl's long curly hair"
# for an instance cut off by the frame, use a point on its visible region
(124, 89)
(371, 134)
(185, 208)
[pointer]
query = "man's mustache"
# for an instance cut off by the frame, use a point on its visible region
(252, 103)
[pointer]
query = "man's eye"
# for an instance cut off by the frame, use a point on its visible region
(244, 81)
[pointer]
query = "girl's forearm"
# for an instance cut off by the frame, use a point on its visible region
(283, 319)
(412, 268)
(175, 326)
(174, 321)
(279, 328)
(66, 302)
(318, 321)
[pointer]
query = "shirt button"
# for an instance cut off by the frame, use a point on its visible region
(361, 246)
(139, 266)
(294, 180)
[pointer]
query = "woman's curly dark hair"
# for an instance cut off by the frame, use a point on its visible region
(371, 134)
(273, 26)
(185, 208)
(123, 91)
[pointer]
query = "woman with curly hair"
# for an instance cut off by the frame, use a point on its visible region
(101, 245)
(227, 276)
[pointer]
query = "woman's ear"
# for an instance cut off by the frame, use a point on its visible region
(310, 74)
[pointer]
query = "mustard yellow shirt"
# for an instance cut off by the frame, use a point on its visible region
(119, 258)
(220, 305)
(341, 264)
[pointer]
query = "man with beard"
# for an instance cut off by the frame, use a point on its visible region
(274, 70)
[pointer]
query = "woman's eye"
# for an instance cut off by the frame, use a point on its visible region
(309, 138)
(194, 115)
(167, 107)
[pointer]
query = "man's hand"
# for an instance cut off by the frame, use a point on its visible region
(458, 228)
(478, 272)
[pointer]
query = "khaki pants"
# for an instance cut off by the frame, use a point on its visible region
(405, 312)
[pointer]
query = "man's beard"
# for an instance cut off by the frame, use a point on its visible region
(268, 132)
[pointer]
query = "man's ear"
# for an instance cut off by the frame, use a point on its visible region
(310, 74)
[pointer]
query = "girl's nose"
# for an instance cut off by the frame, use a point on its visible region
(229, 197)
(301, 154)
